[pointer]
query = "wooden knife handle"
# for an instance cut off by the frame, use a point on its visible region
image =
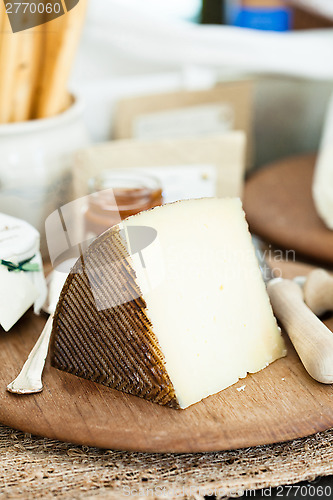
(312, 340)
(318, 291)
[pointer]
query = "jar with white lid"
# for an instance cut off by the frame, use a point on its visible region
(22, 282)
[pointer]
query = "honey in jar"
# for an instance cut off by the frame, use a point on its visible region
(115, 195)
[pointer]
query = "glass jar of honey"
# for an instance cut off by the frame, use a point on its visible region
(117, 194)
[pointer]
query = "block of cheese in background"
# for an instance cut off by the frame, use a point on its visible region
(323, 176)
(169, 305)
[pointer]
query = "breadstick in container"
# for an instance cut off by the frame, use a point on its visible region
(9, 49)
(61, 39)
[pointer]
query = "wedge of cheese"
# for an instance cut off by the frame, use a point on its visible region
(169, 305)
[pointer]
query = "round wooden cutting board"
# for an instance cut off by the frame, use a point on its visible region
(279, 208)
(279, 403)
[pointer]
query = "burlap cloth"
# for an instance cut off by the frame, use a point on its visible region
(33, 467)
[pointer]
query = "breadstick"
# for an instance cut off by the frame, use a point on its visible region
(27, 67)
(61, 40)
(8, 54)
(26, 74)
(2, 14)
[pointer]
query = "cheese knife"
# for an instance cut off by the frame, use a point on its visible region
(312, 339)
(29, 380)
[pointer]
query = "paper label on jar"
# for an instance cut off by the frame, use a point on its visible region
(17, 294)
(183, 182)
(185, 122)
(18, 240)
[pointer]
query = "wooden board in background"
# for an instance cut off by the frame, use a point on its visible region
(279, 208)
(279, 403)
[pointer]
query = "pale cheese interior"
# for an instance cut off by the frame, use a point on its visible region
(205, 296)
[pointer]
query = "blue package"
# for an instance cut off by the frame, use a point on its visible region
(263, 19)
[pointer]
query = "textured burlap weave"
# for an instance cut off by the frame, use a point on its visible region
(32, 467)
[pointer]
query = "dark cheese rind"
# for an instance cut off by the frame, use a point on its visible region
(114, 346)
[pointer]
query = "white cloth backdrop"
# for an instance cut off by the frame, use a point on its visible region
(126, 51)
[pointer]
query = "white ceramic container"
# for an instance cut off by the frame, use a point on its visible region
(35, 164)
